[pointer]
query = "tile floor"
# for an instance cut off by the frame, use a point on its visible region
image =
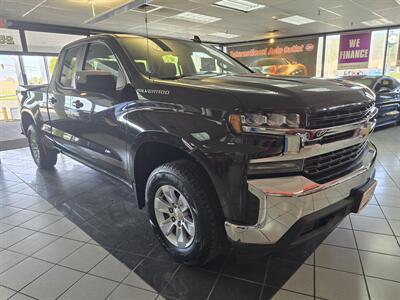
(73, 233)
(10, 136)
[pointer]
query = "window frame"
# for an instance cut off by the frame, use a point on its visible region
(85, 54)
(78, 65)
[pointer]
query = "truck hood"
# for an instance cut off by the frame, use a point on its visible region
(259, 93)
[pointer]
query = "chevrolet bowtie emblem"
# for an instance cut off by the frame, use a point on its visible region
(312, 135)
(364, 131)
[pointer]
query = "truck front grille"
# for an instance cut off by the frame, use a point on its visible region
(329, 166)
(337, 137)
(338, 117)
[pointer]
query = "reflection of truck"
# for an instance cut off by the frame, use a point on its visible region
(212, 150)
(279, 66)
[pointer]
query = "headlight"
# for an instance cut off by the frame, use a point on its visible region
(297, 72)
(262, 122)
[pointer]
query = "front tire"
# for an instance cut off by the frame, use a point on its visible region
(44, 157)
(184, 212)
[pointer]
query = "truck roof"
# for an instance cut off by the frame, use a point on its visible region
(117, 36)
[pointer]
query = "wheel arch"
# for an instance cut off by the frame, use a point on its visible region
(156, 151)
(26, 120)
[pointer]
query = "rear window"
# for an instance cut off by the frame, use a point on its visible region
(68, 69)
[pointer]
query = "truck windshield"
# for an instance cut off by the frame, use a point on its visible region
(172, 59)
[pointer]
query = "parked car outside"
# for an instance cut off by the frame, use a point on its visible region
(279, 66)
(387, 90)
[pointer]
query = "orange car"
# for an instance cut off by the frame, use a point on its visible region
(279, 66)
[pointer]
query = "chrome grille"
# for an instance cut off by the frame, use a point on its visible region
(338, 117)
(337, 137)
(329, 166)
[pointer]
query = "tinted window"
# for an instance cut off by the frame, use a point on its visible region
(363, 80)
(100, 58)
(68, 68)
(171, 59)
(387, 83)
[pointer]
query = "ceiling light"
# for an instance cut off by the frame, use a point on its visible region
(332, 12)
(377, 22)
(240, 5)
(147, 8)
(271, 40)
(117, 11)
(297, 20)
(196, 18)
(34, 8)
(224, 35)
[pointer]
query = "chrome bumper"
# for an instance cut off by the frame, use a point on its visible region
(285, 200)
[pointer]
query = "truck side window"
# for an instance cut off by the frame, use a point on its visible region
(68, 68)
(100, 58)
(387, 83)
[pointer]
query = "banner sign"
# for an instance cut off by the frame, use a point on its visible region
(354, 51)
(10, 40)
(284, 58)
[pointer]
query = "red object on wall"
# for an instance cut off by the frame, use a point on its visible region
(3, 23)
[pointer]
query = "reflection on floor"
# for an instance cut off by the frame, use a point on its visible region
(73, 233)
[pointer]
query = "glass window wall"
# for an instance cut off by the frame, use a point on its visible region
(35, 69)
(46, 42)
(10, 78)
(375, 61)
(51, 62)
(392, 66)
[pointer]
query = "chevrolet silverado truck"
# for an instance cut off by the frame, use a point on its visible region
(217, 154)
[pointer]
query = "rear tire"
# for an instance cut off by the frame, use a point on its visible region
(44, 157)
(179, 196)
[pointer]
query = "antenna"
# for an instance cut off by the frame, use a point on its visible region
(147, 38)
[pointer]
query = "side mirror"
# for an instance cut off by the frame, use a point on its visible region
(95, 81)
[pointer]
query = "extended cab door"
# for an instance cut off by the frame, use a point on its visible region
(99, 134)
(61, 90)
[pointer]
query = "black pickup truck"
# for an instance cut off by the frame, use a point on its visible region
(215, 152)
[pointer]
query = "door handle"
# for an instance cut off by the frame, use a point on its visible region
(53, 100)
(77, 104)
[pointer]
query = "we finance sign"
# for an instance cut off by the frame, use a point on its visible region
(354, 51)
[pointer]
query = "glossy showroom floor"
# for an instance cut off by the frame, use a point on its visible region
(73, 233)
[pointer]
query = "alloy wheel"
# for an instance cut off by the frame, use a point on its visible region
(34, 148)
(174, 216)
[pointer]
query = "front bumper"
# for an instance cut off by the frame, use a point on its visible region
(286, 204)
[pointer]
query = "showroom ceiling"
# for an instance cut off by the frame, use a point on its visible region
(209, 19)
